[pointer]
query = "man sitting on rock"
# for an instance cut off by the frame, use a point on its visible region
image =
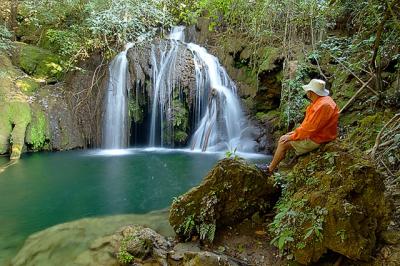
(319, 125)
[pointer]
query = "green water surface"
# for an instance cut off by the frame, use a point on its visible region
(45, 189)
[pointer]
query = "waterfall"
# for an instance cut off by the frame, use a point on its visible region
(217, 105)
(217, 114)
(115, 122)
(163, 84)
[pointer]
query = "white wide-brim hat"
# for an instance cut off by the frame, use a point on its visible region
(317, 86)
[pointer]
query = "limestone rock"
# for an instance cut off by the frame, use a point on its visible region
(54, 126)
(207, 259)
(85, 94)
(338, 196)
(89, 241)
(37, 62)
(142, 243)
(232, 191)
(181, 248)
(15, 116)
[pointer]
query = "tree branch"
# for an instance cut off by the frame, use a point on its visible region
(378, 138)
(351, 72)
(355, 95)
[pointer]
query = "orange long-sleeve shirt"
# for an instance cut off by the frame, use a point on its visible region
(320, 123)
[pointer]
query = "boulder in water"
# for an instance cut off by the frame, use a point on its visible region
(232, 191)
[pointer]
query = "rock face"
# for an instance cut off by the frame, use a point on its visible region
(333, 199)
(99, 242)
(33, 116)
(232, 191)
(54, 126)
(14, 109)
(91, 241)
(85, 94)
(141, 66)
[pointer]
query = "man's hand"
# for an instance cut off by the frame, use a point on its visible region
(285, 138)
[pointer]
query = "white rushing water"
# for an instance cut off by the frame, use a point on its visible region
(163, 84)
(115, 121)
(217, 114)
(222, 118)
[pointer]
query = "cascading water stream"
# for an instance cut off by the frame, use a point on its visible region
(217, 114)
(115, 122)
(215, 110)
(163, 84)
(221, 123)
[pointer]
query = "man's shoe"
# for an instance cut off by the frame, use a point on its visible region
(264, 168)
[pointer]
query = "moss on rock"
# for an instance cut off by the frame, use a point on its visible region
(7, 75)
(180, 121)
(333, 199)
(38, 62)
(27, 85)
(38, 130)
(362, 132)
(15, 116)
(232, 191)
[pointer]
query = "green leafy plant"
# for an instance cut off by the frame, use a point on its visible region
(342, 234)
(123, 255)
(5, 39)
(293, 102)
(296, 223)
(188, 225)
(207, 231)
(232, 154)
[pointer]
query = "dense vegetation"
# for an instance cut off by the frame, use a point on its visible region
(353, 45)
(73, 29)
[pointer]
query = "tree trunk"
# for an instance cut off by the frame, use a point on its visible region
(377, 67)
(13, 24)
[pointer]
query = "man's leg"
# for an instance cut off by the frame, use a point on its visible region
(283, 147)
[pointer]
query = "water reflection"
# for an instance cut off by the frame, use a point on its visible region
(44, 189)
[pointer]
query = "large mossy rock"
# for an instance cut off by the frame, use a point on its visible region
(232, 191)
(54, 126)
(333, 199)
(31, 114)
(15, 117)
(37, 62)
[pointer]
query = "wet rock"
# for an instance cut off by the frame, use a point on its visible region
(232, 190)
(181, 248)
(54, 126)
(207, 259)
(90, 241)
(141, 66)
(144, 62)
